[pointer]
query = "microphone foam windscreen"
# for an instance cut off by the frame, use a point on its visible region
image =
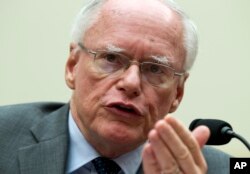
(217, 136)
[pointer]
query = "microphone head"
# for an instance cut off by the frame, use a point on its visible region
(218, 130)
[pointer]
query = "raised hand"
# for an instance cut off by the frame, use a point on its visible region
(173, 149)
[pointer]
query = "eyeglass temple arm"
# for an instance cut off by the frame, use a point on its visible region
(81, 46)
(179, 73)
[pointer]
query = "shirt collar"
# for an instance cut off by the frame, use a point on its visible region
(81, 152)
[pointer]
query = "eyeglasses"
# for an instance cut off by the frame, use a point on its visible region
(108, 62)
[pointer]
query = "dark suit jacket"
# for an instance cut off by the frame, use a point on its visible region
(34, 140)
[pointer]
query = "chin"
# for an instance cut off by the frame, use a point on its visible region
(122, 135)
(118, 139)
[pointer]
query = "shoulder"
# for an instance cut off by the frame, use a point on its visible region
(29, 109)
(16, 123)
(43, 106)
(217, 160)
(25, 114)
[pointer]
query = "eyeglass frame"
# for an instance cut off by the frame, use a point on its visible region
(94, 53)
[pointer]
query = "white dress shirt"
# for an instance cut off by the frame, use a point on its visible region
(81, 153)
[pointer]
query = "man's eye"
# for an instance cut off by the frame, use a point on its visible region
(112, 58)
(155, 69)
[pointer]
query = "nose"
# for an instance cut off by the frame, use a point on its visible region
(130, 82)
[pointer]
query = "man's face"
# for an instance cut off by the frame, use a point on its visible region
(115, 113)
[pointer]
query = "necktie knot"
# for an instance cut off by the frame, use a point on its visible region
(105, 166)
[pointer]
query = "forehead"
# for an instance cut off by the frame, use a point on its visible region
(140, 26)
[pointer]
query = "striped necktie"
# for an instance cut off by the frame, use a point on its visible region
(105, 166)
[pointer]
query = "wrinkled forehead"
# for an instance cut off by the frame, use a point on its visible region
(149, 20)
(136, 15)
(149, 10)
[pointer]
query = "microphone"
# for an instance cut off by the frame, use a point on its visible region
(221, 132)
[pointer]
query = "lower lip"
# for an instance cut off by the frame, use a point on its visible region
(121, 113)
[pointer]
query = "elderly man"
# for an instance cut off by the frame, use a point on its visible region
(127, 67)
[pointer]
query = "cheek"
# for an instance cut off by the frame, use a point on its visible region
(90, 87)
(87, 89)
(87, 80)
(159, 103)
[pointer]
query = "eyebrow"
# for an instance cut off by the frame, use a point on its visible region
(157, 59)
(161, 59)
(113, 48)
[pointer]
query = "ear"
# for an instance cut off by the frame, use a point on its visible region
(179, 92)
(71, 65)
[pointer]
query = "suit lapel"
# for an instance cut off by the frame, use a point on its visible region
(49, 152)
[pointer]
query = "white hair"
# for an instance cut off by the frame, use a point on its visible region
(85, 18)
(90, 12)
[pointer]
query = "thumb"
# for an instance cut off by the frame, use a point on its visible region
(201, 134)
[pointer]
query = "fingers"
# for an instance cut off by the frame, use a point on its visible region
(187, 144)
(173, 139)
(172, 146)
(162, 153)
(154, 162)
(150, 165)
(201, 134)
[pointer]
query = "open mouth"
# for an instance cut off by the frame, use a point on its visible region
(126, 109)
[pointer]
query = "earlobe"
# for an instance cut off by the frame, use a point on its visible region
(71, 65)
(174, 106)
